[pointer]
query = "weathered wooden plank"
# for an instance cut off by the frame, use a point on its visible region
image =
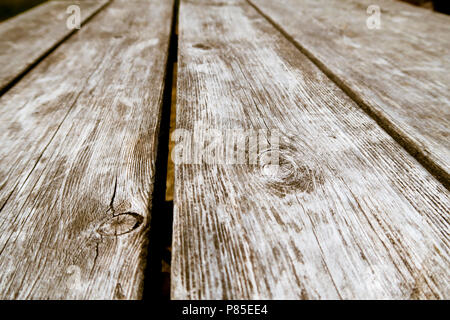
(29, 36)
(348, 214)
(78, 147)
(398, 73)
(11, 8)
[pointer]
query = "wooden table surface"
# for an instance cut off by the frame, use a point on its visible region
(349, 214)
(77, 159)
(354, 205)
(399, 74)
(30, 36)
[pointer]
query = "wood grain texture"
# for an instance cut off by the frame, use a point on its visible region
(77, 158)
(349, 214)
(31, 35)
(399, 73)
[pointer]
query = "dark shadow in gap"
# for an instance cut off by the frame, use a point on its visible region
(11, 8)
(157, 279)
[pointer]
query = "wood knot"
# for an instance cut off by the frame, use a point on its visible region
(296, 171)
(201, 46)
(121, 224)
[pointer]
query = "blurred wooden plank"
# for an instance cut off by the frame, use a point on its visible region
(348, 214)
(29, 36)
(398, 73)
(10, 8)
(417, 2)
(77, 159)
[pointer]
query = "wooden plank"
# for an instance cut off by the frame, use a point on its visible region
(77, 157)
(398, 73)
(11, 8)
(28, 37)
(348, 214)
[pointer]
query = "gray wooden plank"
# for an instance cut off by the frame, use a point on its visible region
(398, 73)
(77, 158)
(348, 214)
(29, 36)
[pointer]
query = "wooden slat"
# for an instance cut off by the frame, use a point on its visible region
(399, 73)
(31, 35)
(349, 214)
(77, 158)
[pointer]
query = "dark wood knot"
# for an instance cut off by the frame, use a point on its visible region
(201, 46)
(121, 224)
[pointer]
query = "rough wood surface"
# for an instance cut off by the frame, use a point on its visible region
(78, 144)
(349, 214)
(31, 35)
(400, 73)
